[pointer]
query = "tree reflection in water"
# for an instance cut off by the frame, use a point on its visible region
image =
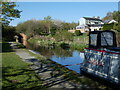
(50, 51)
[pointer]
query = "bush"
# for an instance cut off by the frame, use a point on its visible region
(76, 46)
(8, 33)
(53, 30)
(64, 45)
(116, 26)
(78, 32)
(108, 26)
(63, 36)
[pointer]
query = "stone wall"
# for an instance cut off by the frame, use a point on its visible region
(24, 38)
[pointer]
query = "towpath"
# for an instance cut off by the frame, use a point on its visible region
(46, 72)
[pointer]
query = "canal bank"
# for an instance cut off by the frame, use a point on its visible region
(47, 70)
(54, 75)
(77, 43)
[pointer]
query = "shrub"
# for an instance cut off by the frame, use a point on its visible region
(63, 36)
(53, 30)
(8, 33)
(78, 32)
(116, 26)
(64, 45)
(108, 26)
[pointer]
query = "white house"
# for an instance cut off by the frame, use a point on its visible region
(110, 21)
(89, 24)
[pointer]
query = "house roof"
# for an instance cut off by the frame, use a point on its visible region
(106, 21)
(110, 21)
(89, 18)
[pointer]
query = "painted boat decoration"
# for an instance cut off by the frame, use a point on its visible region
(102, 58)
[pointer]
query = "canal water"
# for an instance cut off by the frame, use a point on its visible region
(71, 61)
(60, 55)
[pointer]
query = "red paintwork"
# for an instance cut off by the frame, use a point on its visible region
(102, 51)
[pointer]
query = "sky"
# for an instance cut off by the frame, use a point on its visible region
(64, 11)
(65, 0)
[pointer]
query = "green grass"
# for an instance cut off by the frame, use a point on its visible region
(82, 39)
(17, 74)
(12, 60)
(76, 46)
(37, 56)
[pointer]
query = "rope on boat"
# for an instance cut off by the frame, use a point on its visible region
(73, 64)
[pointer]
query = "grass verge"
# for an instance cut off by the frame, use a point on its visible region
(16, 74)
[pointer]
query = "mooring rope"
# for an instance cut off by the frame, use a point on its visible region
(73, 64)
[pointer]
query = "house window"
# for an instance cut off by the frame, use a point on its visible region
(87, 22)
(96, 22)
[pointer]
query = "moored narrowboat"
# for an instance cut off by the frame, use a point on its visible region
(102, 57)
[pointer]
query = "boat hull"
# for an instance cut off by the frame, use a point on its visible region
(102, 63)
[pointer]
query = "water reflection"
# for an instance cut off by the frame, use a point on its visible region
(74, 59)
(59, 55)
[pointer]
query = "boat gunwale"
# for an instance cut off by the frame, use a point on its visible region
(103, 51)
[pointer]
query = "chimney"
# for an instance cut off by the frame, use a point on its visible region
(93, 16)
(98, 17)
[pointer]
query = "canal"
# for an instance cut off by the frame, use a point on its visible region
(68, 57)
(61, 56)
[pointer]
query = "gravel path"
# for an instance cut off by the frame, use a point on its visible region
(46, 72)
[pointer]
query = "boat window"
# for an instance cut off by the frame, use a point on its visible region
(93, 39)
(106, 39)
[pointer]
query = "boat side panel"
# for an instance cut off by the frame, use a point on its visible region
(102, 64)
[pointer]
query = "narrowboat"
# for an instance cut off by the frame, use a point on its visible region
(102, 57)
